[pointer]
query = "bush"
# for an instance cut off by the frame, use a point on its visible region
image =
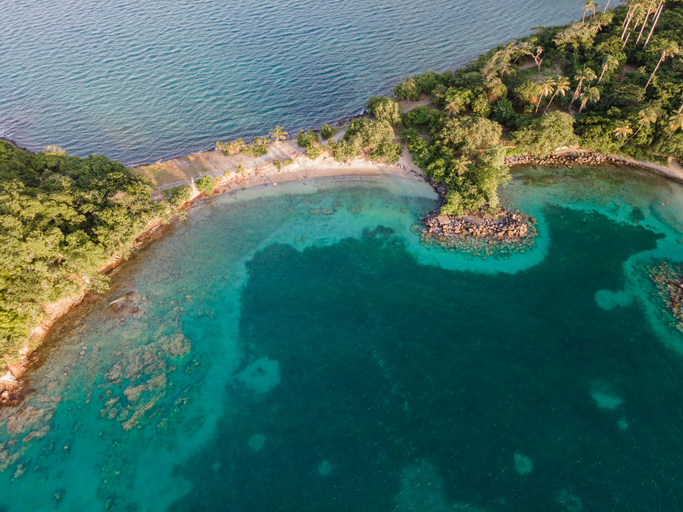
(345, 151)
(305, 140)
(327, 131)
(504, 112)
(313, 152)
(205, 184)
(179, 195)
(231, 148)
(384, 109)
(422, 116)
(255, 150)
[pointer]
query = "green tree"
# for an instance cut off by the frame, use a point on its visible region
(278, 134)
(668, 49)
(592, 95)
(205, 184)
(466, 135)
(546, 89)
(582, 75)
(561, 86)
(610, 63)
(546, 134)
(384, 109)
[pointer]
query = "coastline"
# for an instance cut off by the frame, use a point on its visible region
(239, 172)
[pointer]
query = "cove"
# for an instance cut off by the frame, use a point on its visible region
(265, 357)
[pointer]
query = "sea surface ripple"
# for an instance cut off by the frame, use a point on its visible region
(143, 80)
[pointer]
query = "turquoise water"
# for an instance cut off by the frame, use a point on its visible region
(271, 358)
(144, 80)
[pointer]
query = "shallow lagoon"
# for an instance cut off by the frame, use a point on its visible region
(278, 359)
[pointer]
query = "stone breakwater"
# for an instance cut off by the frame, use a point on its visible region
(511, 226)
(668, 280)
(501, 237)
(583, 158)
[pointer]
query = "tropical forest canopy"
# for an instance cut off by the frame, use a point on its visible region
(62, 219)
(611, 83)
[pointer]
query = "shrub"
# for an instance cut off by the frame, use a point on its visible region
(287, 161)
(384, 109)
(231, 148)
(305, 140)
(256, 151)
(345, 151)
(422, 116)
(179, 195)
(503, 112)
(327, 131)
(205, 184)
(313, 152)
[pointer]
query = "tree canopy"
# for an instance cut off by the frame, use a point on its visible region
(62, 219)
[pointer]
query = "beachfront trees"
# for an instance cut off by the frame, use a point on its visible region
(668, 49)
(610, 63)
(278, 134)
(546, 134)
(205, 184)
(326, 131)
(528, 48)
(375, 138)
(562, 85)
(62, 219)
(178, 196)
(457, 100)
(592, 95)
(407, 90)
(495, 90)
(584, 74)
(231, 148)
(384, 109)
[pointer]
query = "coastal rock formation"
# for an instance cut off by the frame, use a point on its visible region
(668, 280)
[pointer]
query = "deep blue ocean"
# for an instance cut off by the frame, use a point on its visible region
(144, 80)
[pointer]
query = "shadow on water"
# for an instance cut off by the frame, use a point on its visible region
(519, 390)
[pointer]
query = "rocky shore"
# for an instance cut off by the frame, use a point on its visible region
(668, 279)
(500, 237)
(577, 157)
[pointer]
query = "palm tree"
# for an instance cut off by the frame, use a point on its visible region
(584, 74)
(658, 13)
(547, 88)
(586, 8)
(453, 106)
(646, 117)
(676, 120)
(278, 134)
(623, 130)
(561, 86)
(461, 165)
(638, 15)
(650, 5)
(592, 95)
(669, 49)
(609, 64)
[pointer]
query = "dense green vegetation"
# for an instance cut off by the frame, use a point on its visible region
(179, 195)
(611, 83)
(62, 219)
(205, 184)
